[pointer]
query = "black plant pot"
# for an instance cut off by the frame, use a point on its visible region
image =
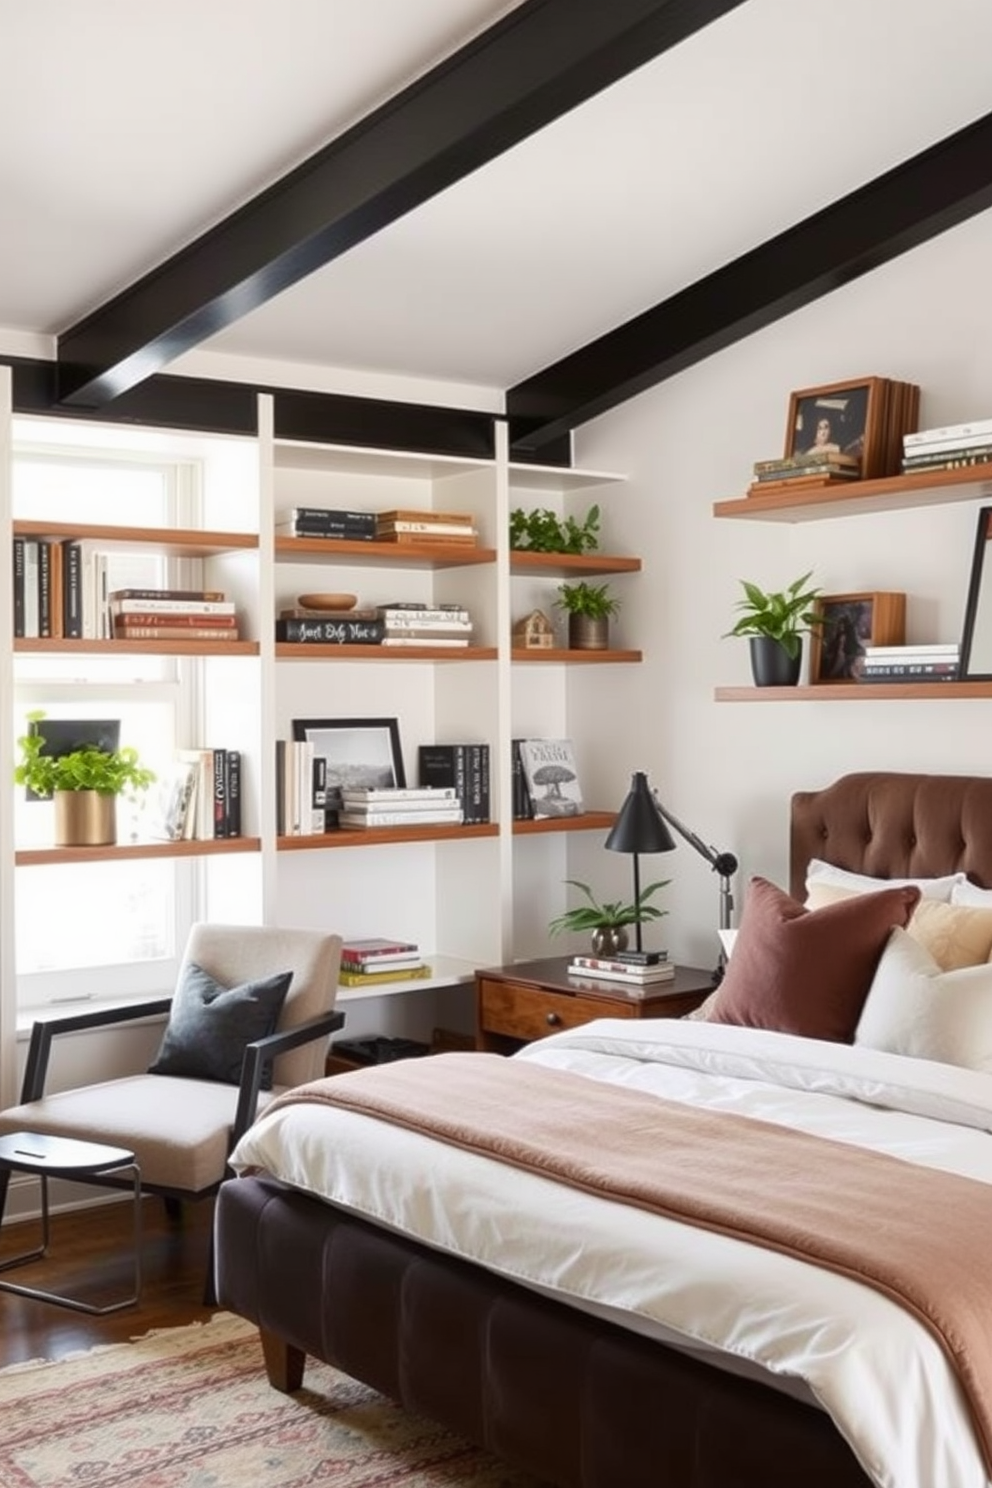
(771, 664)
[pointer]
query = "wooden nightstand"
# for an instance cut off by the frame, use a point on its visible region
(516, 1004)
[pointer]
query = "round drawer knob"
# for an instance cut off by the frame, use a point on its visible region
(553, 1019)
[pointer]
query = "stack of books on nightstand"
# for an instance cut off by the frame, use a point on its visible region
(367, 963)
(641, 968)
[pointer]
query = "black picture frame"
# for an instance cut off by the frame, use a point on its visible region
(65, 735)
(356, 751)
(976, 638)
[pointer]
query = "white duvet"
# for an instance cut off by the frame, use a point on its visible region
(879, 1373)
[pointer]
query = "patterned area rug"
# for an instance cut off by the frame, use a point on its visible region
(192, 1408)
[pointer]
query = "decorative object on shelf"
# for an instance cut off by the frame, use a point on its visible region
(608, 922)
(540, 531)
(848, 623)
(534, 632)
(65, 761)
(589, 608)
(356, 752)
(323, 602)
(775, 623)
(724, 865)
(640, 829)
(976, 640)
(551, 776)
(865, 418)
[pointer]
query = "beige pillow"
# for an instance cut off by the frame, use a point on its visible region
(954, 934)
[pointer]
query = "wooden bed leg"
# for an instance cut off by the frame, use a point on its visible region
(283, 1363)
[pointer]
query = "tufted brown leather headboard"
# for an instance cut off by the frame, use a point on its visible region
(893, 825)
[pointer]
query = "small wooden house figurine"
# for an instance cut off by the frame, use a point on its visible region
(534, 632)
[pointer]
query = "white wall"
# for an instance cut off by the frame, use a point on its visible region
(727, 770)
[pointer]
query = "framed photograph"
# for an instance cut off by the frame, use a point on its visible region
(845, 625)
(846, 418)
(356, 751)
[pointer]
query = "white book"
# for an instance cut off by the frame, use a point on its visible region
(437, 815)
(393, 795)
(32, 621)
(418, 614)
(400, 624)
(423, 640)
(203, 796)
(451, 529)
(658, 975)
(172, 606)
(979, 431)
(902, 653)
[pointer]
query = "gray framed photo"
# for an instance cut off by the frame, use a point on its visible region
(355, 751)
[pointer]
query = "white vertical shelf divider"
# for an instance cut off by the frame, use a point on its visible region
(266, 637)
(8, 966)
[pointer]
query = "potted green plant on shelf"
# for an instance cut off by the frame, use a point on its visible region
(540, 531)
(83, 783)
(608, 922)
(775, 623)
(589, 608)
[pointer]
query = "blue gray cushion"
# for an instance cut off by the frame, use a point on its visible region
(210, 1025)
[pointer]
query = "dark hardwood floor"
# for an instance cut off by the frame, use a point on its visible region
(89, 1256)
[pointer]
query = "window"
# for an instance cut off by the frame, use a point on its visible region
(113, 929)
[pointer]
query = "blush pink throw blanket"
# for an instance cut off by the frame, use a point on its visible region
(918, 1235)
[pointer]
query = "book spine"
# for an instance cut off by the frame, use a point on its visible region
(951, 433)
(44, 587)
(331, 632)
(171, 606)
(440, 816)
(906, 672)
(330, 516)
(625, 974)
(18, 587)
(953, 460)
(390, 948)
(173, 633)
(31, 596)
(325, 533)
(382, 960)
(417, 539)
(201, 596)
(72, 576)
(523, 806)
(476, 804)
(220, 793)
(233, 783)
(366, 979)
(176, 618)
(396, 514)
(450, 529)
(388, 796)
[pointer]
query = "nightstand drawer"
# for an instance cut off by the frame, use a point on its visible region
(526, 1013)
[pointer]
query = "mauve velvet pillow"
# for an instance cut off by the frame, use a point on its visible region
(807, 971)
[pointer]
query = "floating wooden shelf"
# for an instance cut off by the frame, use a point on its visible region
(178, 542)
(840, 692)
(890, 493)
(589, 821)
(393, 555)
(34, 857)
(55, 645)
(536, 653)
(522, 562)
(386, 836)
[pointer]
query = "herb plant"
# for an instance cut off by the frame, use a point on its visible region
(540, 531)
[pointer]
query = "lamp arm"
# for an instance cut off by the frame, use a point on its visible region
(723, 863)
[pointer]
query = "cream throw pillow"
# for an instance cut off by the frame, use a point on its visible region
(826, 875)
(954, 934)
(916, 1009)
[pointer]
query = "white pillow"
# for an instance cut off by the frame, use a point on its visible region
(915, 1008)
(727, 938)
(971, 894)
(827, 875)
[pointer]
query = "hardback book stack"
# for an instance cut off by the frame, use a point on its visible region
(411, 624)
(950, 448)
(301, 789)
(366, 963)
(422, 528)
(172, 615)
(327, 522)
(462, 769)
(641, 968)
(799, 471)
(937, 662)
(550, 777)
(198, 797)
(398, 806)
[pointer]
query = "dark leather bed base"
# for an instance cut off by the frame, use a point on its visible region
(577, 1402)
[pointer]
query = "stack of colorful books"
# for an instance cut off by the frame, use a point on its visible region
(367, 963)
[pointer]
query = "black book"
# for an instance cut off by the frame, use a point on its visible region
(640, 958)
(72, 589)
(476, 805)
(523, 806)
(331, 632)
(18, 586)
(232, 782)
(44, 587)
(445, 765)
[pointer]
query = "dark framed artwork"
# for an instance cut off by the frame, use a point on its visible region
(976, 640)
(356, 751)
(65, 735)
(844, 418)
(848, 623)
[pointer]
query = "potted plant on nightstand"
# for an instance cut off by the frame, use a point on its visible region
(775, 624)
(608, 922)
(589, 608)
(84, 784)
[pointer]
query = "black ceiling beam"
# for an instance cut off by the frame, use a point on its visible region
(935, 190)
(541, 60)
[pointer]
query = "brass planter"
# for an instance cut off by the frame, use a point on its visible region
(588, 632)
(85, 819)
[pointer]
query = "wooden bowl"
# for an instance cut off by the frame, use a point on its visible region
(327, 601)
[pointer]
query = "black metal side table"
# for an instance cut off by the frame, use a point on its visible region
(64, 1157)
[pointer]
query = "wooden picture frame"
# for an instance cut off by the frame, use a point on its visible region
(356, 751)
(844, 417)
(845, 624)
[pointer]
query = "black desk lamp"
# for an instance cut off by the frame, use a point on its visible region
(639, 828)
(724, 865)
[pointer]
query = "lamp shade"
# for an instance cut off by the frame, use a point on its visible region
(639, 828)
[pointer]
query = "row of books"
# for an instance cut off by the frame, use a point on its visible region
(949, 448)
(635, 969)
(544, 779)
(399, 625)
(463, 769)
(301, 789)
(412, 528)
(376, 959)
(198, 797)
(935, 662)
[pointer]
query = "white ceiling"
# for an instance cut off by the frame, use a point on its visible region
(126, 129)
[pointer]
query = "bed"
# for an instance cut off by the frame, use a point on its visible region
(730, 1365)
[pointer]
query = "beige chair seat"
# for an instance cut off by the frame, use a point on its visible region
(186, 1153)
